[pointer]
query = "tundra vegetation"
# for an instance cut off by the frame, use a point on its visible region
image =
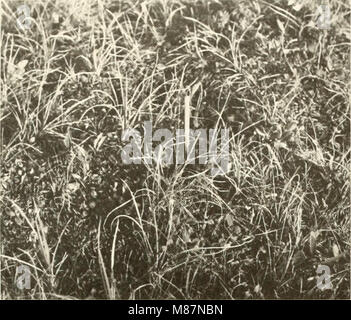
(90, 226)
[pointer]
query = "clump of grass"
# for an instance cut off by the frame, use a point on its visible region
(89, 226)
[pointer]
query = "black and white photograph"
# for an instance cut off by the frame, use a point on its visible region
(179, 150)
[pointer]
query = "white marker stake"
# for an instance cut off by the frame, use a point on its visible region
(187, 115)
